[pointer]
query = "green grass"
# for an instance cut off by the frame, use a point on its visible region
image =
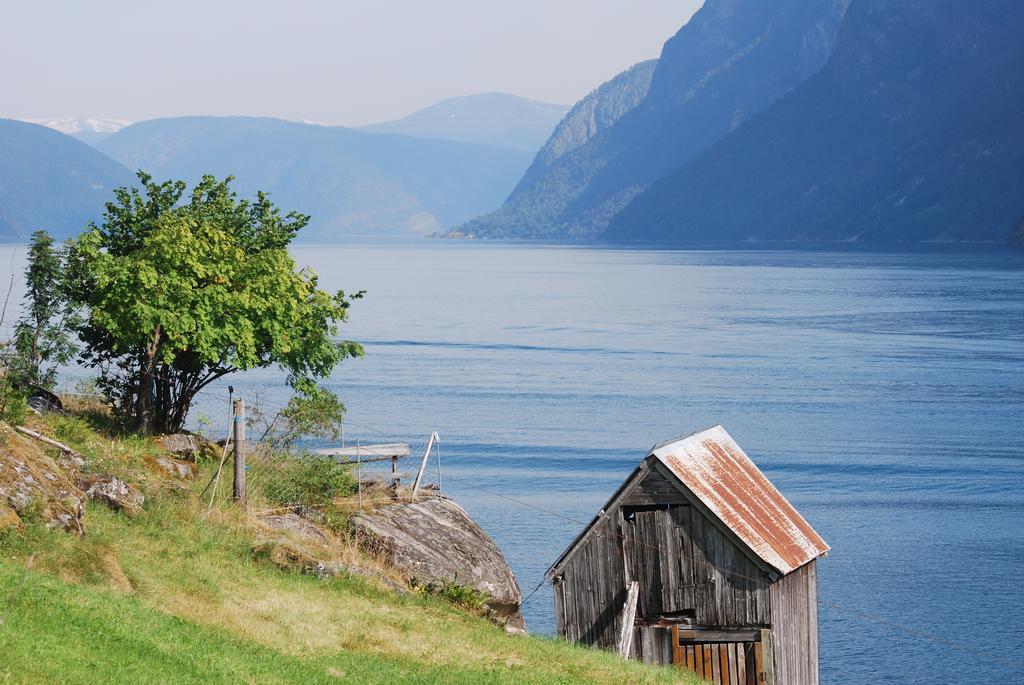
(177, 595)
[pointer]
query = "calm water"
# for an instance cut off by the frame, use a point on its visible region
(882, 393)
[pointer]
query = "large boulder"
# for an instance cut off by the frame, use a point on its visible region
(436, 540)
(188, 446)
(32, 485)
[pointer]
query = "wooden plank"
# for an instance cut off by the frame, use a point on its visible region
(685, 516)
(691, 662)
(423, 464)
(730, 667)
(741, 663)
(688, 635)
(758, 662)
(698, 660)
(708, 661)
(628, 617)
(716, 664)
(768, 655)
(368, 452)
(723, 654)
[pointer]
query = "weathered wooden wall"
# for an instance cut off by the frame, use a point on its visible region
(685, 565)
(589, 600)
(688, 568)
(795, 626)
(653, 645)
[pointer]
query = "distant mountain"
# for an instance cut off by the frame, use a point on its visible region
(548, 186)
(52, 181)
(88, 130)
(351, 182)
(489, 119)
(913, 132)
(732, 59)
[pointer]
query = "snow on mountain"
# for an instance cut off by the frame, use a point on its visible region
(89, 130)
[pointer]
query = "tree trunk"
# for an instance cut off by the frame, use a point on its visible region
(147, 387)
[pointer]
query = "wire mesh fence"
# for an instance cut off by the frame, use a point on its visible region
(362, 467)
(310, 474)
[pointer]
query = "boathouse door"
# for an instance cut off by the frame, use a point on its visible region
(723, 657)
(644, 540)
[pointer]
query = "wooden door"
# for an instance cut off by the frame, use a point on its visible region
(722, 658)
(643, 530)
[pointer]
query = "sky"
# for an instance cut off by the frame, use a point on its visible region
(336, 62)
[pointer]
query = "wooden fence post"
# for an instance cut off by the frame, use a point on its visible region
(238, 488)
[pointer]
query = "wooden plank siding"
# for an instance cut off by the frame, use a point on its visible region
(589, 599)
(685, 563)
(795, 626)
(691, 572)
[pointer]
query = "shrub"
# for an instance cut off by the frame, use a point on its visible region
(13, 403)
(303, 479)
(462, 596)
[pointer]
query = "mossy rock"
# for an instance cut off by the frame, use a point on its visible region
(34, 487)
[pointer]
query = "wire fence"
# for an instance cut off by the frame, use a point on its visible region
(363, 466)
(308, 473)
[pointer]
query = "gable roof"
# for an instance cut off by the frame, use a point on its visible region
(711, 467)
(720, 474)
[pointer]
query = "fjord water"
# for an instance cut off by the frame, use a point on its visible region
(882, 393)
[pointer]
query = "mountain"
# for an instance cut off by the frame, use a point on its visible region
(732, 59)
(351, 182)
(52, 181)
(547, 186)
(88, 130)
(912, 132)
(489, 119)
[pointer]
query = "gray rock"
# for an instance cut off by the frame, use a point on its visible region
(71, 463)
(331, 569)
(184, 470)
(291, 522)
(33, 486)
(187, 445)
(113, 492)
(436, 540)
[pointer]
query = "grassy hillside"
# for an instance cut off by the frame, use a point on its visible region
(177, 594)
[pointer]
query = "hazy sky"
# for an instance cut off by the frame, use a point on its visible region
(344, 62)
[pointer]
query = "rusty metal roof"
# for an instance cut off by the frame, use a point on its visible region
(714, 468)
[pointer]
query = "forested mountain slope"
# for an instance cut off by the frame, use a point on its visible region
(51, 181)
(732, 59)
(351, 182)
(548, 185)
(913, 132)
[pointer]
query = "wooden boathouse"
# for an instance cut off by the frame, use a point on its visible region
(697, 560)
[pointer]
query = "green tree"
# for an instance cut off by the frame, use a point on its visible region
(314, 413)
(178, 292)
(43, 337)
